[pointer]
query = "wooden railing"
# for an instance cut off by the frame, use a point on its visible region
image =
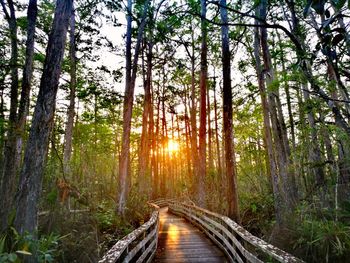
(237, 243)
(138, 246)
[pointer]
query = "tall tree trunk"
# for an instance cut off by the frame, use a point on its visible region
(315, 154)
(218, 152)
(147, 107)
(130, 78)
(151, 144)
(324, 132)
(232, 194)
(267, 129)
(202, 162)
(287, 91)
(27, 76)
(193, 114)
(166, 164)
(68, 136)
(2, 128)
(8, 184)
(210, 135)
(27, 200)
(280, 140)
(187, 134)
(156, 154)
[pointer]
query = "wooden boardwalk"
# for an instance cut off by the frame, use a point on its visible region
(181, 242)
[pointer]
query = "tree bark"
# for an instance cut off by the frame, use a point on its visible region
(267, 130)
(130, 78)
(72, 85)
(145, 135)
(8, 182)
(37, 146)
(280, 140)
(193, 115)
(202, 162)
(27, 76)
(156, 154)
(315, 154)
(210, 135)
(218, 152)
(287, 91)
(232, 194)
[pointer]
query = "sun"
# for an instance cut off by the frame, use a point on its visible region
(173, 146)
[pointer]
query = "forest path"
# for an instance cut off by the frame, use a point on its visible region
(179, 241)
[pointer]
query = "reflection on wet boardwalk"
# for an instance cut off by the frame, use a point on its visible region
(179, 241)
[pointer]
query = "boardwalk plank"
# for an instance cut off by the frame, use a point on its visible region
(181, 242)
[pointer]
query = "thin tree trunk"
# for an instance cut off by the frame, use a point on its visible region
(267, 129)
(287, 91)
(287, 178)
(218, 152)
(71, 109)
(202, 162)
(315, 151)
(155, 155)
(147, 107)
(8, 184)
(27, 200)
(151, 144)
(27, 76)
(188, 136)
(210, 135)
(324, 132)
(232, 194)
(193, 115)
(131, 70)
(166, 164)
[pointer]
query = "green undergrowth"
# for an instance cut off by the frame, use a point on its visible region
(67, 237)
(323, 233)
(15, 247)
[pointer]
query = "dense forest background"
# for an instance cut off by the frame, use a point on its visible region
(241, 107)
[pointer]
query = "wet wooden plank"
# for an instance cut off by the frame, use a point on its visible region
(181, 242)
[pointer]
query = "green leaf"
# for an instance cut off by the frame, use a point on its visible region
(39, 57)
(12, 257)
(254, 208)
(338, 3)
(2, 244)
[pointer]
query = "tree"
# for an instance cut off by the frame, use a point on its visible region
(13, 149)
(28, 193)
(9, 170)
(272, 166)
(130, 77)
(202, 158)
(232, 195)
(72, 87)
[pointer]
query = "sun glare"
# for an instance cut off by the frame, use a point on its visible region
(173, 146)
